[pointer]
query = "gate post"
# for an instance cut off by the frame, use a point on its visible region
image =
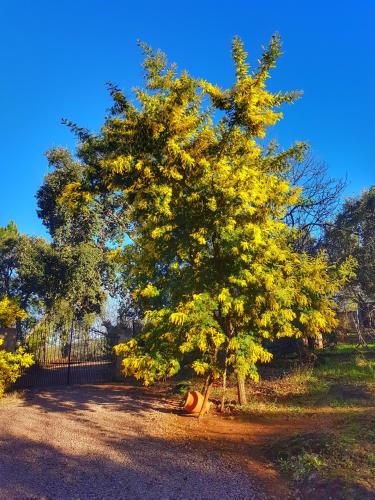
(69, 353)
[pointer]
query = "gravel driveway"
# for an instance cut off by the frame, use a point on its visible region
(107, 441)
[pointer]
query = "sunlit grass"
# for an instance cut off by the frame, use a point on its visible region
(351, 349)
(353, 369)
(11, 397)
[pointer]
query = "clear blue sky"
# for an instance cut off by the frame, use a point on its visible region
(56, 56)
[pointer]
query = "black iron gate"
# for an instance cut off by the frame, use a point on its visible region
(72, 355)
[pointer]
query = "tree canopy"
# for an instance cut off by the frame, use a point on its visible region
(63, 281)
(202, 199)
(353, 234)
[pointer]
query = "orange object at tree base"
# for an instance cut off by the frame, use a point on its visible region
(194, 401)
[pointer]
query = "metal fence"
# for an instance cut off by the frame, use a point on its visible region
(68, 355)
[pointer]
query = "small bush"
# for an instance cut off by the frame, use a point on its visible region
(299, 466)
(371, 458)
(301, 454)
(182, 387)
(12, 366)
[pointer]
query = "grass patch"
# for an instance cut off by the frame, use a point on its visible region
(353, 369)
(11, 397)
(340, 388)
(345, 454)
(301, 454)
(299, 466)
(350, 349)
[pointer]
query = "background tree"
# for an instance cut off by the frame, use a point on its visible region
(44, 279)
(318, 204)
(353, 234)
(79, 264)
(18, 283)
(9, 241)
(70, 216)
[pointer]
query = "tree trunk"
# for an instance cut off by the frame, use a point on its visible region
(222, 406)
(206, 396)
(241, 391)
(205, 385)
(319, 342)
(311, 343)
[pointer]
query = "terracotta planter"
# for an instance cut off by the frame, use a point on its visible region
(194, 402)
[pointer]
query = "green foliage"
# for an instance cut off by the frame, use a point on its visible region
(80, 264)
(81, 286)
(353, 234)
(9, 240)
(12, 366)
(73, 281)
(299, 466)
(349, 369)
(22, 274)
(63, 281)
(66, 172)
(182, 387)
(70, 213)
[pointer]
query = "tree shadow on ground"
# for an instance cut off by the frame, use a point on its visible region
(115, 397)
(118, 466)
(143, 470)
(99, 443)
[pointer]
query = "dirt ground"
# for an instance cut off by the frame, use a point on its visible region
(116, 441)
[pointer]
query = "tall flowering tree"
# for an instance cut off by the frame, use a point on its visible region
(211, 263)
